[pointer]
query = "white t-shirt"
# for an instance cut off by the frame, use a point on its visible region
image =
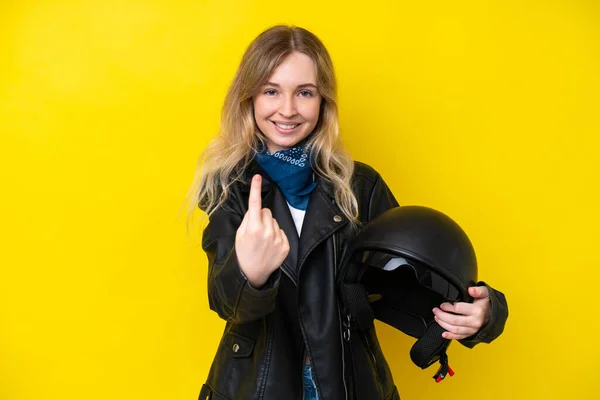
(298, 217)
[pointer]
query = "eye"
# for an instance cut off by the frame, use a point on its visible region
(270, 92)
(305, 93)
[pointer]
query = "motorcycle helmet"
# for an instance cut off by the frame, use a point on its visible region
(405, 262)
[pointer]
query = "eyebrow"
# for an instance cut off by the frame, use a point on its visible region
(304, 85)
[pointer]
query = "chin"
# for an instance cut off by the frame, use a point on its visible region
(285, 144)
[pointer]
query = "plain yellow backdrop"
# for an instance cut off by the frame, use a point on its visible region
(486, 110)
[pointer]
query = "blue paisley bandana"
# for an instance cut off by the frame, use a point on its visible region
(292, 171)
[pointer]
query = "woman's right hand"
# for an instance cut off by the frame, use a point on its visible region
(260, 244)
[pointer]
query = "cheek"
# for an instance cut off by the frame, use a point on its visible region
(310, 112)
(257, 109)
(262, 109)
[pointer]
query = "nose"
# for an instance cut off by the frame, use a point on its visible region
(288, 107)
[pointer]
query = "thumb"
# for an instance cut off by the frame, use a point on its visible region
(478, 292)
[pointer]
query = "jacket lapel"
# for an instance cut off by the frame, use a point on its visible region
(284, 219)
(323, 217)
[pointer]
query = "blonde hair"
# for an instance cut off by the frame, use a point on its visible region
(227, 156)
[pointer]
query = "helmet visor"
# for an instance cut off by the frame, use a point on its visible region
(392, 271)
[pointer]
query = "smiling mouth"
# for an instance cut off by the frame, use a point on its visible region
(287, 127)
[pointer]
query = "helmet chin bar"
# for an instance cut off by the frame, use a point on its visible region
(405, 302)
(430, 348)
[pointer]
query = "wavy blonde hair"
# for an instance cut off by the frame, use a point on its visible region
(226, 157)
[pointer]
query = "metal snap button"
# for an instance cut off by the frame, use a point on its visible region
(236, 348)
(337, 218)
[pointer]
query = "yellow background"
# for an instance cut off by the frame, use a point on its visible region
(487, 110)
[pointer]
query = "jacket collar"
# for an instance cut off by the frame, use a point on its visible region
(323, 218)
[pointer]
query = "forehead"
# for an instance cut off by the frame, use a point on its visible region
(296, 69)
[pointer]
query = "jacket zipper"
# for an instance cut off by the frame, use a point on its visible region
(334, 259)
(340, 320)
(342, 339)
(368, 343)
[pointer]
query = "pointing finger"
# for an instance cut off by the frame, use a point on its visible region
(255, 201)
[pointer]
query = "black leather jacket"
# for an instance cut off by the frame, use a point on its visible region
(298, 312)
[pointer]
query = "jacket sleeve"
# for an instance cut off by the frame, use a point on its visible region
(229, 293)
(495, 326)
(381, 199)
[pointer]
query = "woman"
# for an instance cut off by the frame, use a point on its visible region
(284, 199)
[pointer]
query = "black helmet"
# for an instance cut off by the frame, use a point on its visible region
(409, 260)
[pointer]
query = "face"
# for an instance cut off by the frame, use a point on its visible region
(286, 108)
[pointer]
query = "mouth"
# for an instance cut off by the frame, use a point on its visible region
(285, 128)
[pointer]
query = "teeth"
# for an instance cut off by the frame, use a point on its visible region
(286, 126)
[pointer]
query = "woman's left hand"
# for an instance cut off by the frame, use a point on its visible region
(462, 320)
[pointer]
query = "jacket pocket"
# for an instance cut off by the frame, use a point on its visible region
(240, 346)
(379, 363)
(233, 365)
(371, 354)
(236, 352)
(206, 393)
